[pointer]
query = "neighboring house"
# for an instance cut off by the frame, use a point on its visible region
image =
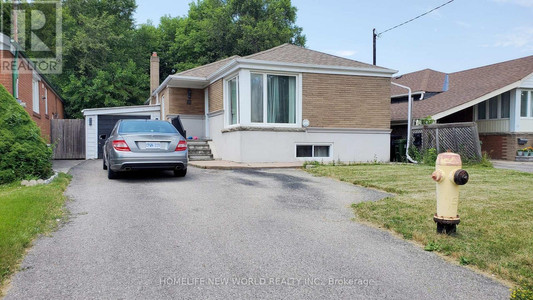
(29, 87)
(498, 97)
(284, 104)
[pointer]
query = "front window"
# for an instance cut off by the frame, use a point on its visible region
(233, 101)
(506, 105)
(523, 104)
(493, 108)
(482, 111)
(280, 95)
(281, 99)
(257, 98)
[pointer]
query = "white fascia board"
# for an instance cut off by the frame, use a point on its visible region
(181, 81)
(120, 110)
(468, 104)
(242, 63)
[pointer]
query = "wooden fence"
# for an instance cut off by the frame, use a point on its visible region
(68, 138)
(461, 138)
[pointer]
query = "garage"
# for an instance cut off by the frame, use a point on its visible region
(100, 121)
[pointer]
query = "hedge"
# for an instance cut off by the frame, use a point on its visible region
(23, 152)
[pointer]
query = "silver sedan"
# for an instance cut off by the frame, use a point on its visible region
(144, 144)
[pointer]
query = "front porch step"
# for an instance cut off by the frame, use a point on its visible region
(199, 150)
(200, 157)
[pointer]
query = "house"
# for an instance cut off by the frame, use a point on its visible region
(284, 104)
(498, 97)
(31, 88)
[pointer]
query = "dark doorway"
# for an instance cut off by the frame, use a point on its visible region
(106, 124)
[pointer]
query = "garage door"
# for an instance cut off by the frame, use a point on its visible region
(107, 123)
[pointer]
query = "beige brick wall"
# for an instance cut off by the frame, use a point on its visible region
(342, 101)
(216, 97)
(178, 102)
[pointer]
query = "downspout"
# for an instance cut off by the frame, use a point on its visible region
(409, 120)
(15, 73)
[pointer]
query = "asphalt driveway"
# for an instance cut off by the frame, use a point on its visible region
(276, 234)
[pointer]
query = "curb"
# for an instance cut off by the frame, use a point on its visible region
(34, 182)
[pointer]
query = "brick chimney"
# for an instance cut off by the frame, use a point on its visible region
(154, 72)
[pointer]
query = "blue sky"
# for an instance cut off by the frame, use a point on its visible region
(461, 35)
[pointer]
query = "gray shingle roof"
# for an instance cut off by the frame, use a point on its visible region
(465, 86)
(286, 53)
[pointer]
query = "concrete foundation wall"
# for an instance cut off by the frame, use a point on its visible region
(352, 145)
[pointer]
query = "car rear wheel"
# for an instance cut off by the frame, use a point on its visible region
(104, 166)
(180, 173)
(111, 174)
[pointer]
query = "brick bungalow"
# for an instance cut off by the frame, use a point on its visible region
(284, 104)
(498, 97)
(31, 88)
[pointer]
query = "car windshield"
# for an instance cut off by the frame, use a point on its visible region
(138, 126)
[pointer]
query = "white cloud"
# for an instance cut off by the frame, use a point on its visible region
(521, 37)
(526, 3)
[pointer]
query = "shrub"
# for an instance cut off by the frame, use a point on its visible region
(23, 152)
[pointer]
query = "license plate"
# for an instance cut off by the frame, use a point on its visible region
(153, 145)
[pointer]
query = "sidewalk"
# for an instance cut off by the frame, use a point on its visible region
(513, 165)
(230, 165)
(63, 166)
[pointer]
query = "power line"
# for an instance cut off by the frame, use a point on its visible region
(411, 20)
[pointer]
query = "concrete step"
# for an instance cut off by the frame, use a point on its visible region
(200, 157)
(199, 152)
(198, 147)
(196, 143)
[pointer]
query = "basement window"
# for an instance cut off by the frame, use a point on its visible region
(312, 151)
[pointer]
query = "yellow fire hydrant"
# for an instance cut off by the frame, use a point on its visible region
(449, 176)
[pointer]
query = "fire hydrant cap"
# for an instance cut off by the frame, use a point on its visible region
(449, 159)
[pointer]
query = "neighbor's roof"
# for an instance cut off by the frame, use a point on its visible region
(286, 53)
(465, 86)
(426, 80)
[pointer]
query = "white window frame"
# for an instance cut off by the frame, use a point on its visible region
(529, 113)
(330, 145)
(297, 98)
(35, 96)
(227, 101)
(46, 101)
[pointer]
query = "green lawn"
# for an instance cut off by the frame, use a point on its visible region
(26, 212)
(496, 210)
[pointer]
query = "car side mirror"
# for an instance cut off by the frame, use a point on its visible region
(103, 137)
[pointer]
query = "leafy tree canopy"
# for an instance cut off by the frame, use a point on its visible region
(106, 57)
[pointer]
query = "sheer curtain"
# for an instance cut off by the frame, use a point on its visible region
(257, 98)
(281, 99)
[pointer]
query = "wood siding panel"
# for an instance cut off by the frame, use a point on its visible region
(342, 101)
(178, 102)
(216, 96)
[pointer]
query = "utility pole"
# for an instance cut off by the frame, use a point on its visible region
(374, 36)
